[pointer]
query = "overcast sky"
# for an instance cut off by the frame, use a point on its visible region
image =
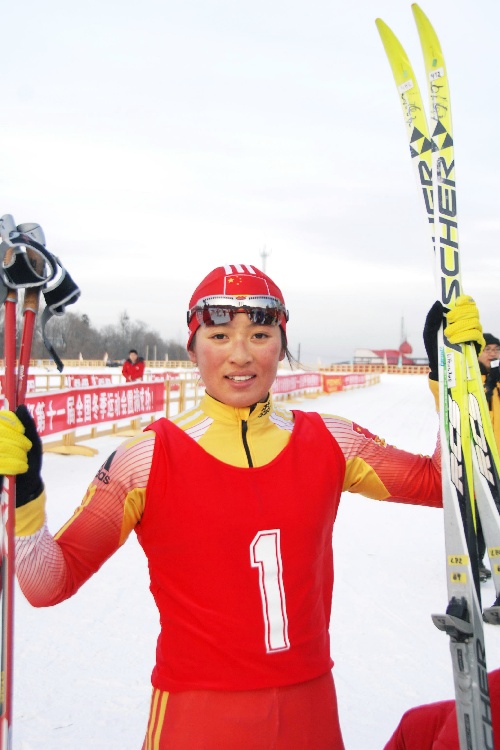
(156, 140)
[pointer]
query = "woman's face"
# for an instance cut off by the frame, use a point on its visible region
(238, 360)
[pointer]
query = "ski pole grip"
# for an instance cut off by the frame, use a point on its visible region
(32, 294)
(7, 227)
(11, 293)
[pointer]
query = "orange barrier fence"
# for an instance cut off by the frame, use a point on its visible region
(380, 368)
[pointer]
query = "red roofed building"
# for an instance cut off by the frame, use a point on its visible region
(398, 357)
(401, 356)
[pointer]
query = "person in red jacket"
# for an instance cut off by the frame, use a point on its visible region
(133, 367)
(233, 502)
(434, 726)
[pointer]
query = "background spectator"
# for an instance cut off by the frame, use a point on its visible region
(133, 367)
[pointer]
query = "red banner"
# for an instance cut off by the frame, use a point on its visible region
(354, 378)
(62, 411)
(296, 382)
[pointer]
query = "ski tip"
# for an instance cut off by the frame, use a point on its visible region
(420, 18)
(387, 35)
(396, 54)
(431, 46)
(382, 26)
(417, 11)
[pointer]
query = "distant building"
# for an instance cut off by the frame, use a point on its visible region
(401, 356)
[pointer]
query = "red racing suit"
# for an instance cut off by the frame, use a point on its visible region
(277, 574)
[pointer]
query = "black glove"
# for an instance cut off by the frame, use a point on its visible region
(491, 382)
(435, 317)
(29, 485)
(461, 326)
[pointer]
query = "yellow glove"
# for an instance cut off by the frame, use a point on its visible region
(463, 324)
(14, 446)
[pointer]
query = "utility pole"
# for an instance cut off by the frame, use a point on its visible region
(264, 254)
(403, 330)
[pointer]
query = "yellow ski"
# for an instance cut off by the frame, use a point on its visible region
(468, 448)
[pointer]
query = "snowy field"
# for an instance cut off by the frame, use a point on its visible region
(82, 668)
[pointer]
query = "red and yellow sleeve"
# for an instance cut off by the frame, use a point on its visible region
(383, 472)
(52, 568)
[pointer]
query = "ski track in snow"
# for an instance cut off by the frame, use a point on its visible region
(82, 668)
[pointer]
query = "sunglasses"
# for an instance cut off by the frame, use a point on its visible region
(216, 311)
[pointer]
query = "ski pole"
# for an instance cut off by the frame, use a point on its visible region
(15, 391)
(8, 551)
(26, 265)
(30, 309)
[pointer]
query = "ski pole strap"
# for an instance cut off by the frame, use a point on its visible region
(19, 271)
(58, 296)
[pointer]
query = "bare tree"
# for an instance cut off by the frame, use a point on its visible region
(72, 335)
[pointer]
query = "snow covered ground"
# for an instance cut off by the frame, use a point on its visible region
(82, 668)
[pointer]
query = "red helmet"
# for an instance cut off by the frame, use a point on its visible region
(235, 286)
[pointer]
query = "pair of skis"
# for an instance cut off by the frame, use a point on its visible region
(25, 264)
(470, 460)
